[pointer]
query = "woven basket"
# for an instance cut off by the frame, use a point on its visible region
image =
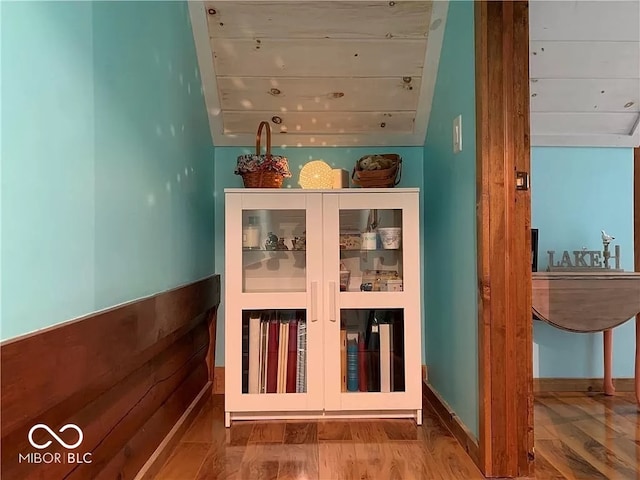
(381, 178)
(262, 179)
(262, 170)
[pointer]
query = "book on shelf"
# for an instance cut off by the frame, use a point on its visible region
(343, 360)
(274, 352)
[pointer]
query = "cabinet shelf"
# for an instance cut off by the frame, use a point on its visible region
(377, 250)
(245, 250)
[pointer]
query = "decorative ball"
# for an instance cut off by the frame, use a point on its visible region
(316, 174)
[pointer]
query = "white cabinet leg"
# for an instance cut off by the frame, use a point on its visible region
(227, 419)
(418, 417)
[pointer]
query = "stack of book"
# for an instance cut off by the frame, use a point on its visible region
(274, 348)
(372, 360)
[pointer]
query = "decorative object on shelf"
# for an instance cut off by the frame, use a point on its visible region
(375, 279)
(316, 174)
(378, 171)
(340, 178)
(280, 245)
(251, 234)
(370, 235)
(597, 260)
(271, 243)
(299, 243)
(369, 240)
(350, 240)
(390, 237)
(534, 249)
(391, 285)
(345, 276)
(263, 170)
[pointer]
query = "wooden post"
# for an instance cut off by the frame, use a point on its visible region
(505, 328)
(636, 256)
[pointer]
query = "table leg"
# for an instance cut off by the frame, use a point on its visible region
(608, 361)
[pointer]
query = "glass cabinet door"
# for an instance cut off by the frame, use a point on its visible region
(372, 271)
(274, 253)
(371, 257)
(372, 350)
(273, 304)
(274, 351)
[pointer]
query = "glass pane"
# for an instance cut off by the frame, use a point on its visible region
(274, 251)
(371, 250)
(274, 351)
(372, 350)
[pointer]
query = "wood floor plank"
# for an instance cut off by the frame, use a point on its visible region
(400, 429)
(363, 431)
(184, 462)
(545, 470)
(617, 414)
(299, 461)
(373, 454)
(239, 433)
(300, 432)
(257, 464)
(577, 436)
(221, 462)
(600, 455)
(267, 432)
(329, 431)
(413, 462)
(337, 461)
(567, 461)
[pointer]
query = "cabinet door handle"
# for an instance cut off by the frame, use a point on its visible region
(314, 301)
(332, 301)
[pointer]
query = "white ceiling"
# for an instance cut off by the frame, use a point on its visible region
(323, 72)
(585, 72)
(362, 72)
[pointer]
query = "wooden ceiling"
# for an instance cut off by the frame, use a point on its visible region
(323, 73)
(363, 72)
(585, 72)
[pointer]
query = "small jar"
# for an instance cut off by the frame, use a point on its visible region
(251, 234)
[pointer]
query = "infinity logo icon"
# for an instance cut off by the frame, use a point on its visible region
(53, 434)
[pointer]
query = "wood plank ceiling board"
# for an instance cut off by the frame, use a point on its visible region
(585, 73)
(323, 72)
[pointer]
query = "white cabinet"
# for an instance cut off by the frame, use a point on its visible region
(321, 319)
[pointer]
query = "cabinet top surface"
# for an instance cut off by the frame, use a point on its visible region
(284, 191)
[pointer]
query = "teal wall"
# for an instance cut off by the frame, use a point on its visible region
(225, 162)
(450, 271)
(107, 164)
(575, 193)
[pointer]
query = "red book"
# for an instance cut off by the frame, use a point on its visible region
(292, 357)
(272, 353)
(362, 365)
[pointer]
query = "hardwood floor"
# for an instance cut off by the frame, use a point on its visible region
(578, 436)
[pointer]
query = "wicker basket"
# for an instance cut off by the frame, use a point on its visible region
(379, 178)
(262, 170)
(262, 179)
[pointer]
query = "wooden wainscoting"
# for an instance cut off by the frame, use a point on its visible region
(124, 376)
(553, 385)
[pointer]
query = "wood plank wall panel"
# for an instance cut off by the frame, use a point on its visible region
(504, 269)
(636, 250)
(124, 376)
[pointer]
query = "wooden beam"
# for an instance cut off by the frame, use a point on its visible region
(505, 327)
(636, 250)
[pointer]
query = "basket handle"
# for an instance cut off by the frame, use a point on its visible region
(398, 172)
(259, 134)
